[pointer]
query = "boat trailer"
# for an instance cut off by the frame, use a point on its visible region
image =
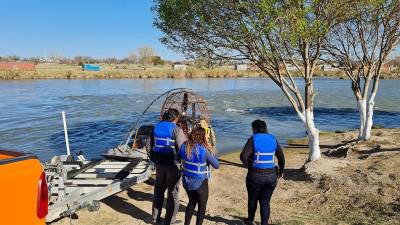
(76, 184)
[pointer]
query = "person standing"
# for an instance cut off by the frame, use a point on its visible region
(165, 144)
(258, 156)
(196, 156)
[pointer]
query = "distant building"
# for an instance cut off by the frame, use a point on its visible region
(45, 60)
(23, 66)
(229, 67)
(391, 67)
(242, 67)
(177, 66)
(331, 66)
(91, 67)
(246, 67)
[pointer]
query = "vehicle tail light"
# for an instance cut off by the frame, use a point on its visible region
(43, 197)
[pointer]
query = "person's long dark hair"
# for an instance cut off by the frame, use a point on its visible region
(259, 126)
(197, 136)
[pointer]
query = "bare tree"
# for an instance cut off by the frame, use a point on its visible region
(145, 54)
(361, 46)
(271, 34)
(55, 56)
(10, 58)
(133, 58)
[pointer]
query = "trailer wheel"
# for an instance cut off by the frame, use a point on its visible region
(94, 207)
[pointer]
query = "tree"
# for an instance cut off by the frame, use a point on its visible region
(80, 60)
(156, 60)
(270, 33)
(55, 57)
(203, 63)
(362, 45)
(35, 60)
(10, 58)
(145, 54)
(133, 58)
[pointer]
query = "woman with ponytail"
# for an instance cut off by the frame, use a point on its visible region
(196, 157)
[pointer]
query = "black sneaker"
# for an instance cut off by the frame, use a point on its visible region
(249, 222)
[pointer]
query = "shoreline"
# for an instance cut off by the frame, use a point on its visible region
(354, 183)
(155, 74)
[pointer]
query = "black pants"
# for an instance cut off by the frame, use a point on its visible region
(260, 186)
(167, 177)
(197, 197)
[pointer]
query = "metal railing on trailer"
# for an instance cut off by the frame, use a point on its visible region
(74, 185)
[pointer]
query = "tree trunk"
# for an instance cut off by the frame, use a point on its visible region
(369, 119)
(362, 109)
(313, 136)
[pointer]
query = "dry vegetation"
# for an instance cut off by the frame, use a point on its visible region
(74, 72)
(354, 183)
(135, 71)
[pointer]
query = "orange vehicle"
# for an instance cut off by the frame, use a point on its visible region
(23, 189)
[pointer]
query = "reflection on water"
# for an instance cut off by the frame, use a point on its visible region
(100, 112)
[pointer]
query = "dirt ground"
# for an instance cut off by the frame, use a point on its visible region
(354, 183)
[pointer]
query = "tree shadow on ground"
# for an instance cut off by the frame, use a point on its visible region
(333, 146)
(240, 220)
(218, 219)
(141, 196)
(378, 150)
(367, 153)
(229, 163)
(296, 175)
(123, 206)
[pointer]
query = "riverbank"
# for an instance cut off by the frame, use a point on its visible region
(126, 74)
(74, 72)
(354, 183)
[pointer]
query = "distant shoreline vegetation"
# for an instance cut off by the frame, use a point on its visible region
(126, 71)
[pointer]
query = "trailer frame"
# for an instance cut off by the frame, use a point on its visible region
(74, 185)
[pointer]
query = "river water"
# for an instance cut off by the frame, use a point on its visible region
(100, 112)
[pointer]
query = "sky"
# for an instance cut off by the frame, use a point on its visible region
(101, 28)
(97, 28)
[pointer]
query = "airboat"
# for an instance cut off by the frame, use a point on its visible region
(75, 183)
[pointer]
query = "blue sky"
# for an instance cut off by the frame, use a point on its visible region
(102, 28)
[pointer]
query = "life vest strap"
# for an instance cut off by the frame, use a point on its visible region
(269, 161)
(258, 154)
(163, 146)
(198, 165)
(168, 140)
(196, 172)
(268, 153)
(194, 164)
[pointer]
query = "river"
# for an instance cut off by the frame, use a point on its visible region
(100, 112)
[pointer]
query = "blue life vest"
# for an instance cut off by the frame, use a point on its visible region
(196, 165)
(264, 151)
(163, 137)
